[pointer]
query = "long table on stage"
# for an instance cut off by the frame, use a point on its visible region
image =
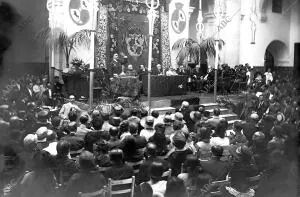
(126, 86)
(165, 85)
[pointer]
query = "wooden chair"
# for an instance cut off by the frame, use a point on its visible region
(254, 181)
(112, 183)
(99, 193)
(135, 165)
(190, 190)
(214, 187)
(167, 174)
(103, 169)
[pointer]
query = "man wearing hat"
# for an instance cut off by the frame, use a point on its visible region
(117, 112)
(148, 130)
(41, 134)
(68, 107)
(168, 122)
(177, 157)
(178, 117)
(42, 119)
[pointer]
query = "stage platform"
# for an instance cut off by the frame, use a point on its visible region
(193, 98)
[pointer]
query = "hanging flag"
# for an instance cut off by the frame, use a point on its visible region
(178, 22)
(79, 15)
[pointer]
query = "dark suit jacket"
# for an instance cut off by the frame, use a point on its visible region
(144, 172)
(119, 172)
(248, 129)
(176, 159)
(262, 108)
(216, 168)
(67, 166)
(47, 98)
(85, 182)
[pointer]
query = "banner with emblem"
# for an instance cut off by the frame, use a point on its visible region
(79, 15)
(178, 21)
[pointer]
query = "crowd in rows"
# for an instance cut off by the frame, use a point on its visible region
(51, 154)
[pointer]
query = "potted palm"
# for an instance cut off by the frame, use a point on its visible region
(195, 52)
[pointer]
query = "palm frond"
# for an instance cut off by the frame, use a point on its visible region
(63, 39)
(182, 55)
(183, 42)
(82, 37)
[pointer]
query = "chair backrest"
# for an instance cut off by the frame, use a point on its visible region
(112, 183)
(135, 165)
(190, 190)
(214, 187)
(254, 181)
(167, 174)
(103, 169)
(99, 193)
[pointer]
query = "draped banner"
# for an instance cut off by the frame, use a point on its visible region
(178, 21)
(79, 15)
(128, 32)
(165, 45)
(102, 36)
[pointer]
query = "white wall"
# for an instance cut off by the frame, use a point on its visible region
(295, 30)
(277, 27)
(231, 34)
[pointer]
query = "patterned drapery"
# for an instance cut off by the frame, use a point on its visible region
(118, 10)
(101, 35)
(165, 44)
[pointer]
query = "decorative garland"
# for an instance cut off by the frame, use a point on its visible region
(165, 45)
(101, 35)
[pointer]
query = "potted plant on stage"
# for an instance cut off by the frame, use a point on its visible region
(70, 43)
(189, 50)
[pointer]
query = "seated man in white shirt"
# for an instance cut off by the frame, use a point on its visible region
(171, 72)
(67, 107)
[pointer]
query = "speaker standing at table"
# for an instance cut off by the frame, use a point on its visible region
(115, 66)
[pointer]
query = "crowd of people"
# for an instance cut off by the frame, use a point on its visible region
(72, 151)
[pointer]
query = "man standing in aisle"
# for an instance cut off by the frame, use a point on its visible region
(115, 66)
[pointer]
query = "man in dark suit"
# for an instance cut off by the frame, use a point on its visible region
(263, 105)
(115, 66)
(144, 172)
(28, 93)
(48, 96)
(215, 167)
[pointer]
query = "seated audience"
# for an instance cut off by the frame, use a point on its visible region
(215, 167)
(175, 187)
(41, 180)
(64, 163)
(119, 170)
(158, 185)
(88, 179)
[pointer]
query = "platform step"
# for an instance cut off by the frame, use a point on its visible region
(163, 110)
(229, 117)
(209, 106)
(159, 103)
(222, 110)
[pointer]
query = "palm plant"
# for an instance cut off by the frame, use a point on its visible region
(197, 52)
(70, 43)
(67, 43)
